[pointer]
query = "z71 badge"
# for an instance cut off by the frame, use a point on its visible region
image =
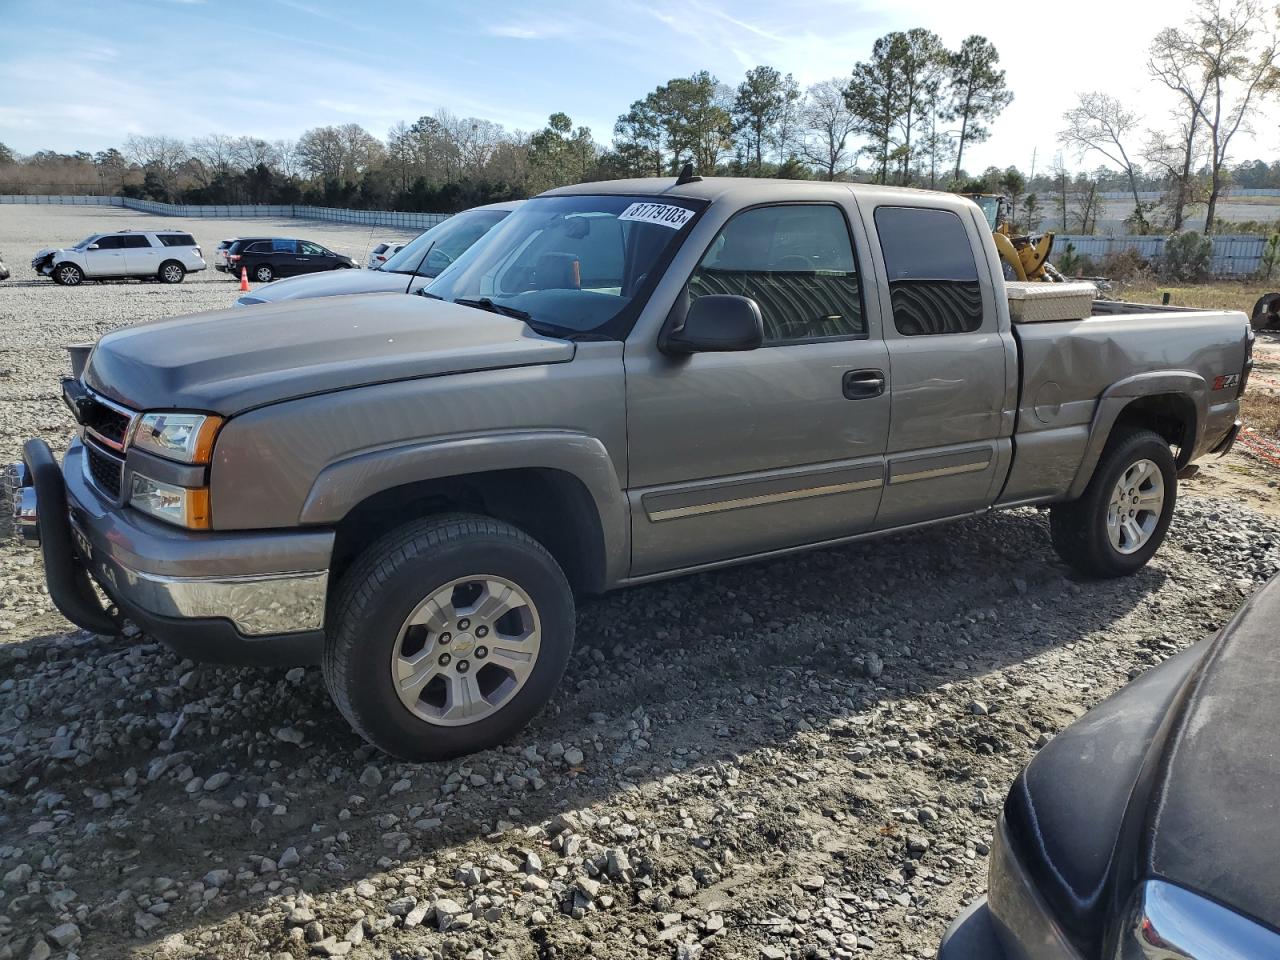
(1225, 381)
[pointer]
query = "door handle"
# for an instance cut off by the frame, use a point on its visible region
(863, 384)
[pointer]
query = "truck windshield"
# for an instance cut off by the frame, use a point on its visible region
(572, 263)
(429, 253)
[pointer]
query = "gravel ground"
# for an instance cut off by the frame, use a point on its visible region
(793, 759)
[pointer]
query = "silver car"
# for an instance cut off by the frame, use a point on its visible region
(416, 264)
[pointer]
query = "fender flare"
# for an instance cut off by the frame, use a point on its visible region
(346, 483)
(1118, 396)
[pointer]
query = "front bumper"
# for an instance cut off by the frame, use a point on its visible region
(1013, 922)
(225, 597)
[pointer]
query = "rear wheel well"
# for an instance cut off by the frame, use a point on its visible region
(552, 506)
(1171, 415)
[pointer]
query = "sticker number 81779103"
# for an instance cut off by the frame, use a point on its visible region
(663, 214)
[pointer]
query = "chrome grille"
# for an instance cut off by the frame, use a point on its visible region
(106, 421)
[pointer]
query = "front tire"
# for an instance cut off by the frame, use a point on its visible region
(68, 274)
(447, 636)
(171, 271)
(1120, 521)
(263, 273)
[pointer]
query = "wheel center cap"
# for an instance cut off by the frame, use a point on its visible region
(462, 645)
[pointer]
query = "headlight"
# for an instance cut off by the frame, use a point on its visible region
(185, 437)
(1167, 921)
(181, 506)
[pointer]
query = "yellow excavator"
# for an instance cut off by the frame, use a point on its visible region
(1024, 257)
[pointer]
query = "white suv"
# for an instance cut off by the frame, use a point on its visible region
(383, 252)
(164, 255)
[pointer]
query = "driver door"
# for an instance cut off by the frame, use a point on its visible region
(735, 454)
(107, 260)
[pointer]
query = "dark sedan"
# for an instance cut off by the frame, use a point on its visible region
(1150, 828)
(267, 258)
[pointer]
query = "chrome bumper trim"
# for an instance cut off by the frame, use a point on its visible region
(258, 606)
(21, 497)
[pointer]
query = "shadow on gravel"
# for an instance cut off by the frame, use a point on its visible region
(667, 677)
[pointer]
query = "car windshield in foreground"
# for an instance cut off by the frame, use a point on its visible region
(429, 253)
(574, 264)
(91, 238)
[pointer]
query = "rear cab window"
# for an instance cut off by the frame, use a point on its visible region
(933, 277)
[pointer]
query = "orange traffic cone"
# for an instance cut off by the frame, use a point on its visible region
(244, 279)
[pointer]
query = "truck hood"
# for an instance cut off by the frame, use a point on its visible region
(1218, 772)
(228, 361)
(334, 283)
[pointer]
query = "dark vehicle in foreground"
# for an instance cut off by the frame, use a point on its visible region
(625, 381)
(267, 258)
(1147, 830)
(415, 265)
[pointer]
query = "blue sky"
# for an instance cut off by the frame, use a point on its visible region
(101, 70)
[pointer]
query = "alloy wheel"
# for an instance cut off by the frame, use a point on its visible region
(1133, 513)
(466, 650)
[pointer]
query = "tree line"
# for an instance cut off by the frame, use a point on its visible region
(907, 115)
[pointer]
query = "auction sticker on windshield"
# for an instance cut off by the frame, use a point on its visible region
(664, 214)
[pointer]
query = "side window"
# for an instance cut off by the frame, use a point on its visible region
(262, 246)
(312, 249)
(177, 239)
(110, 243)
(796, 262)
(284, 246)
(933, 279)
(135, 241)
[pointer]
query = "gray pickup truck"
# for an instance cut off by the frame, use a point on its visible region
(624, 381)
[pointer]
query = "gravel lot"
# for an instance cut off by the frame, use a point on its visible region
(800, 758)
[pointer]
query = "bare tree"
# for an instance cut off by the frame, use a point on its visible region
(1100, 123)
(288, 159)
(161, 155)
(213, 155)
(1176, 153)
(1226, 64)
(828, 123)
(248, 153)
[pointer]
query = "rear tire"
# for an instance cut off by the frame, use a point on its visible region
(1122, 517)
(171, 271)
(68, 274)
(1266, 312)
(447, 636)
(263, 273)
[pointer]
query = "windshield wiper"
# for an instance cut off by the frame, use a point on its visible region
(484, 303)
(545, 329)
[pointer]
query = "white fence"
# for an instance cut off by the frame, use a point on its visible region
(1233, 256)
(384, 218)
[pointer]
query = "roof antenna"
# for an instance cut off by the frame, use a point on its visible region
(686, 175)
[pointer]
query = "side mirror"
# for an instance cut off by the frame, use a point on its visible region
(717, 323)
(92, 246)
